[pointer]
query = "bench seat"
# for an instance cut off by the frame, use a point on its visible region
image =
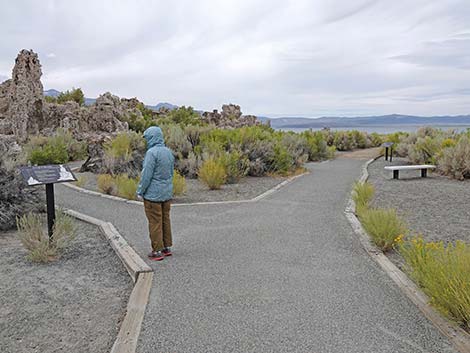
(423, 167)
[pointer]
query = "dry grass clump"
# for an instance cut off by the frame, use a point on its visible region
(81, 181)
(362, 195)
(34, 237)
(105, 183)
(126, 187)
(444, 274)
(179, 184)
(119, 185)
(213, 174)
(383, 226)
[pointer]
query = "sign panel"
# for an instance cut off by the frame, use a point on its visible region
(47, 174)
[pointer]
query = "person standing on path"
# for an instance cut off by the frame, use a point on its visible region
(156, 189)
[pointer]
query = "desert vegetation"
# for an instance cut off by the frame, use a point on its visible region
(62, 147)
(449, 150)
(34, 237)
(15, 197)
(441, 270)
(384, 226)
(73, 95)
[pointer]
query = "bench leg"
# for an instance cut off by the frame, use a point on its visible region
(424, 173)
(395, 174)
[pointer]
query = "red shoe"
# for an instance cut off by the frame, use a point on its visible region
(156, 256)
(167, 252)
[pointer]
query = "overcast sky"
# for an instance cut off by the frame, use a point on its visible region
(274, 57)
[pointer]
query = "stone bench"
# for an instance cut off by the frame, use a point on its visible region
(424, 169)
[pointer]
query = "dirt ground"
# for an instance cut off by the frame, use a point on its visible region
(367, 153)
(75, 304)
(435, 207)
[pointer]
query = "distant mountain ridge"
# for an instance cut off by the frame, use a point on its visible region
(351, 122)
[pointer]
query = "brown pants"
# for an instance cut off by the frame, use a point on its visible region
(158, 215)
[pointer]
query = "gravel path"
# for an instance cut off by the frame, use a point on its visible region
(72, 305)
(436, 206)
(247, 188)
(286, 274)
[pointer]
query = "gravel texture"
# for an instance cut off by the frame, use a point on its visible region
(285, 274)
(436, 207)
(247, 188)
(75, 304)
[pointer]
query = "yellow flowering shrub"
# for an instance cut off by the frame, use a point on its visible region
(443, 271)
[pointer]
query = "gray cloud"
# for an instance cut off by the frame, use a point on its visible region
(303, 57)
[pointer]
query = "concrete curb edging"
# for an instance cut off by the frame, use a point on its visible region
(141, 274)
(459, 337)
(140, 203)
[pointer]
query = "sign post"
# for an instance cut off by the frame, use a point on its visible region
(387, 146)
(48, 175)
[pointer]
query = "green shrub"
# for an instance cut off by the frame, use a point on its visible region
(362, 195)
(343, 141)
(74, 95)
(424, 150)
(236, 166)
(124, 154)
(33, 236)
(282, 162)
(105, 183)
(179, 184)
(57, 149)
(126, 187)
(119, 147)
(383, 226)
(213, 174)
(444, 274)
(176, 139)
(52, 152)
(317, 147)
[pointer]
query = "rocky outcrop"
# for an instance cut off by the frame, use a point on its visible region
(230, 117)
(23, 111)
(21, 98)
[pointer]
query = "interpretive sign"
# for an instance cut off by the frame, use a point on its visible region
(48, 175)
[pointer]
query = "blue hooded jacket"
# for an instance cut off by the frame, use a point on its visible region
(156, 182)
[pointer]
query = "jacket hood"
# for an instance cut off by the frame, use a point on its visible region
(154, 137)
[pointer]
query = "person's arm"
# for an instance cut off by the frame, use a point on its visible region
(147, 173)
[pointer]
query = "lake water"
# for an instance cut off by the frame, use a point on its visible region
(386, 129)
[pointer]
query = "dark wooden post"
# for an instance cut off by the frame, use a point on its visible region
(50, 209)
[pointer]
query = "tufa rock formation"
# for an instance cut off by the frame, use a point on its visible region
(24, 112)
(21, 98)
(230, 117)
